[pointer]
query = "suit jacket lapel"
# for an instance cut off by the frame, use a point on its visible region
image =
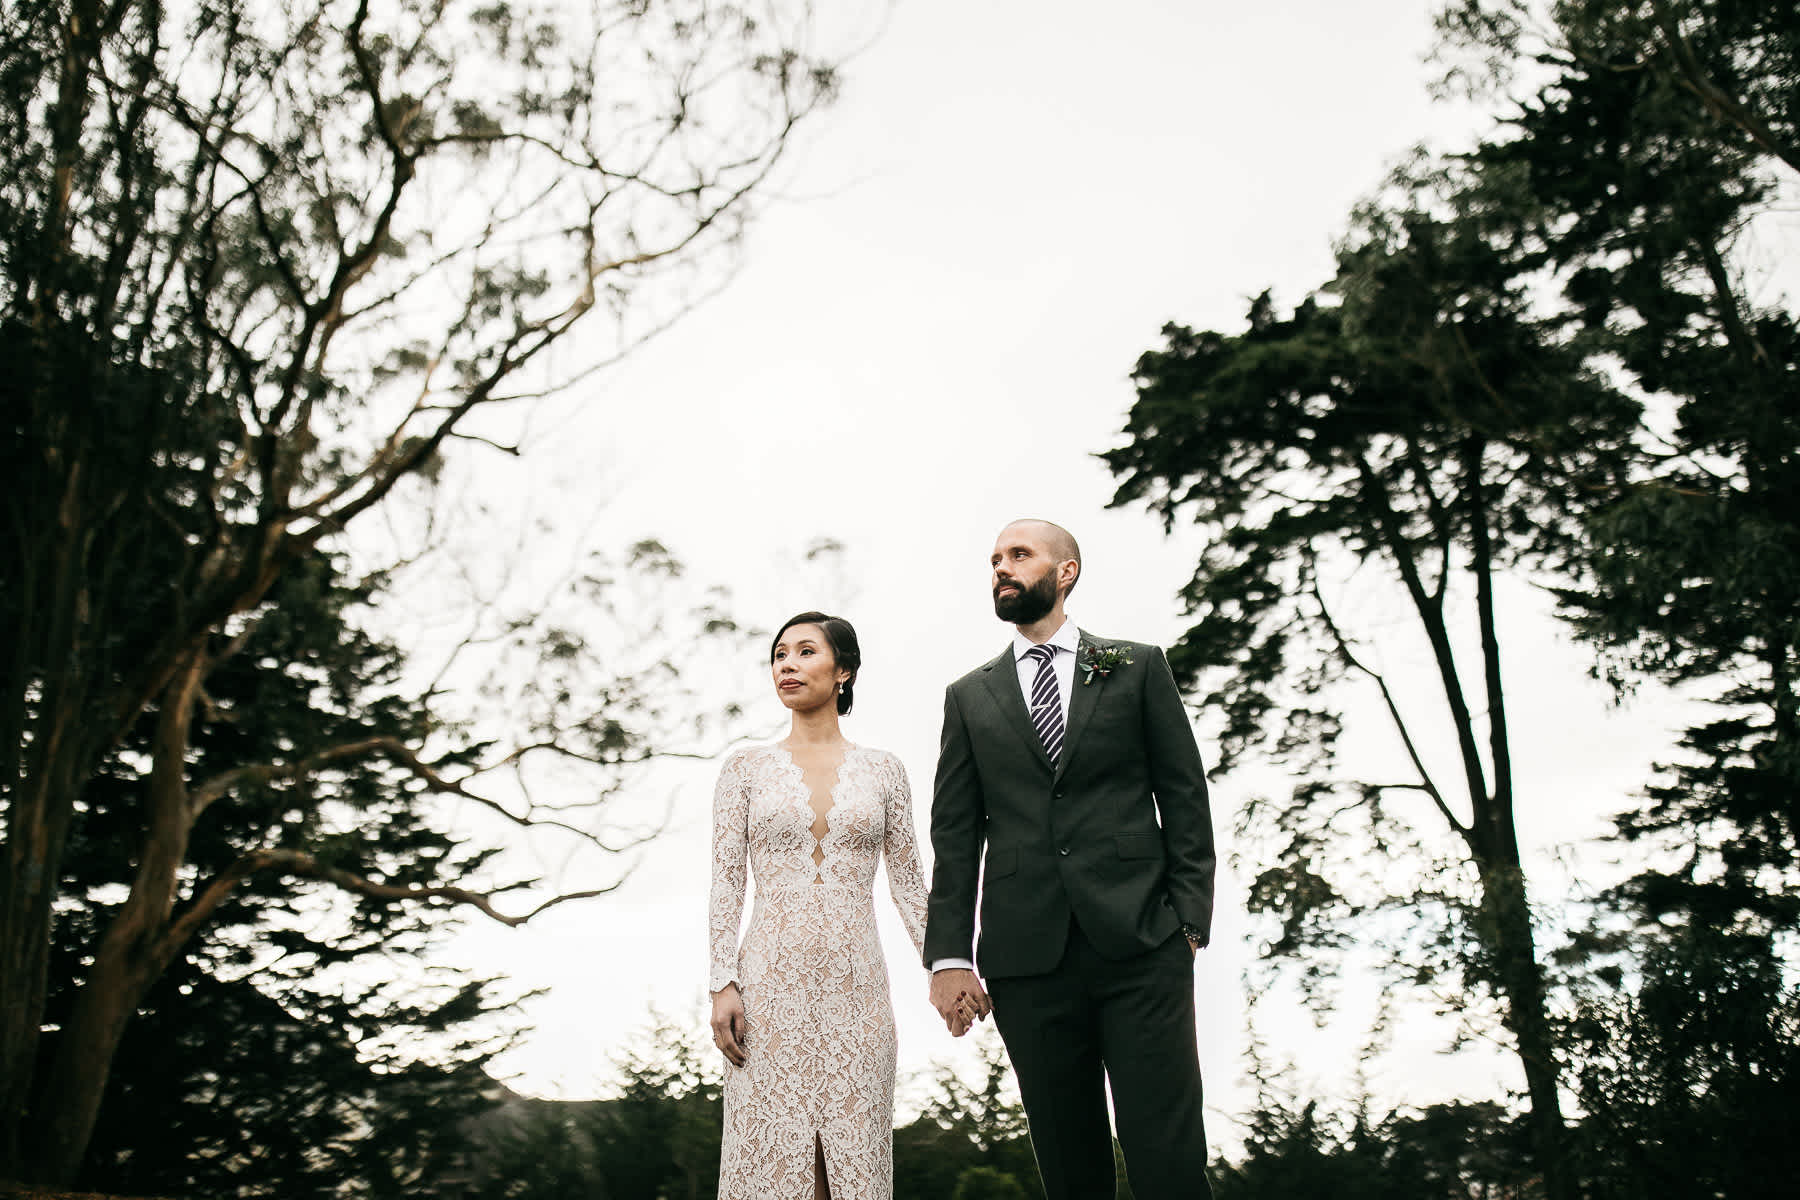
(1003, 684)
(1081, 706)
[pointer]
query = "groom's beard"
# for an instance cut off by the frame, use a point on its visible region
(1028, 604)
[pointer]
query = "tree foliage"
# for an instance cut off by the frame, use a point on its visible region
(1643, 171)
(260, 269)
(1555, 363)
(1445, 1152)
(295, 1044)
(1724, 65)
(1416, 429)
(656, 1138)
(1688, 1076)
(233, 1087)
(968, 1139)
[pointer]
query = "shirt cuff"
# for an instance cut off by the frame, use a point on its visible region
(951, 964)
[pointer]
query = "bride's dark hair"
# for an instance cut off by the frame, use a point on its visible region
(844, 650)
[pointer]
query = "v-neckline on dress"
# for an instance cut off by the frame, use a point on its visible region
(805, 794)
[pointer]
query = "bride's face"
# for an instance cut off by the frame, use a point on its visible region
(805, 671)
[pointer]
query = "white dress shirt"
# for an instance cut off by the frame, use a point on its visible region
(1067, 641)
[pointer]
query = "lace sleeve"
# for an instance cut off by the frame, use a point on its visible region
(731, 824)
(900, 847)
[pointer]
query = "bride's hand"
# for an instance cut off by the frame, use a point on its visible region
(728, 1021)
(969, 1013)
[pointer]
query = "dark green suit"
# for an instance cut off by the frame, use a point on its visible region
(1087, 873)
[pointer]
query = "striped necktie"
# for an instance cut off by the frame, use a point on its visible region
(1046, 702)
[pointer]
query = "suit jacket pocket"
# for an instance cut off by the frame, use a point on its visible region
(1139, 845)
(1000, 864)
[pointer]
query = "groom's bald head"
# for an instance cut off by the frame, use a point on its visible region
(1058, 542)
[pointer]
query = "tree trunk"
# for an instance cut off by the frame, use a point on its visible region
(41, 803)
(53, 663)
(36, 834)
(1507, 916)
(70, 1105)
(134, 950)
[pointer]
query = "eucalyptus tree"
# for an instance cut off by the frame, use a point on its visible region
(1389, 448)
(261, 268)
(290, 1049)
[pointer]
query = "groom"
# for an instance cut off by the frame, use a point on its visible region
(1069, 786)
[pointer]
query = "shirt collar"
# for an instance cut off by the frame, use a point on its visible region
(1067, 638)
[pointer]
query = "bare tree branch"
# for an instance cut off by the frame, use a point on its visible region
(303, 865)
(1344, 651)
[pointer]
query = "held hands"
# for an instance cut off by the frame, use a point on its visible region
(959, 998)
(728, 1023)
(967, 1013)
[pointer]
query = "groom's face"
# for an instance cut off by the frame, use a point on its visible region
(1024, 577)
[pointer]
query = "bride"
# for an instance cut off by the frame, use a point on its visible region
(801, 1008)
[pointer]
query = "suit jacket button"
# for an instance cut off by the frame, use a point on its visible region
(1058, 794)
(1063, 850)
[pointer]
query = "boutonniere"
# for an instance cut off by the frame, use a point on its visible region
(1102, 661)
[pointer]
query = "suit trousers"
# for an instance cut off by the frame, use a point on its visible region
(1092, 1021)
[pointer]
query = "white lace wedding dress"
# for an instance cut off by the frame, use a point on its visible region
(820, 1054)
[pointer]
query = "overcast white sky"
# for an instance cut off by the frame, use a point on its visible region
(932, 334)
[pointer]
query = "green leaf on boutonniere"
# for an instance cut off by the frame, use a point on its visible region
(1102, 661)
